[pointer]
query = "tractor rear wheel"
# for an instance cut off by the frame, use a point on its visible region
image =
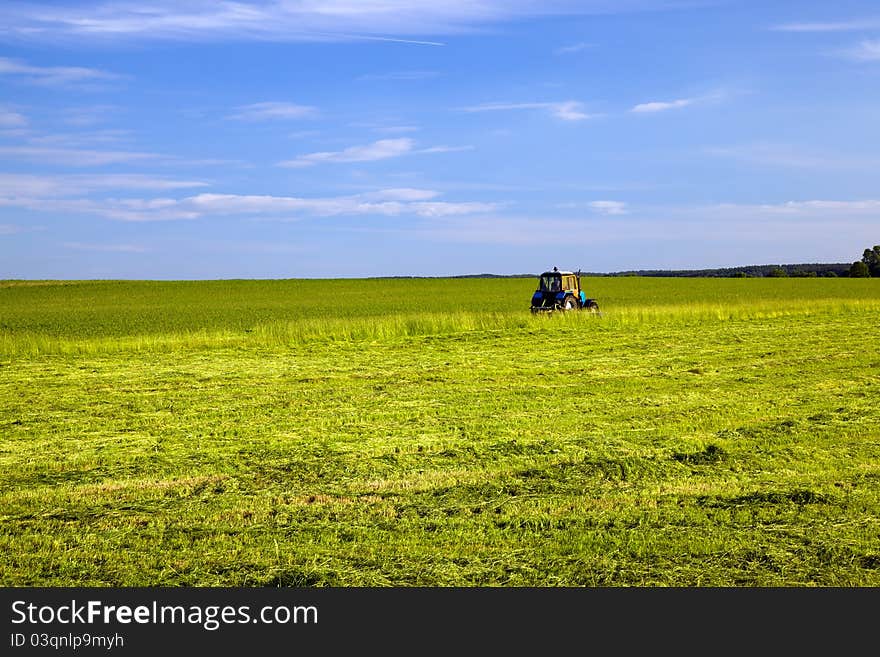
(570, 303)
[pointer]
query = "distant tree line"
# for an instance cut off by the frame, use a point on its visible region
(749, 271)
(805, 270)
(867, 267)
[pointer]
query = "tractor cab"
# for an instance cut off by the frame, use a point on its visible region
(560, 290)
(557, 281)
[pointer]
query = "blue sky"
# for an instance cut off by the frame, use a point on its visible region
(200, 139)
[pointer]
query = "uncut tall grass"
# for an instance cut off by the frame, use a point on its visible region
(93, 317)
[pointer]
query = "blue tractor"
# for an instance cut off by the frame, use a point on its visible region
(561, 290)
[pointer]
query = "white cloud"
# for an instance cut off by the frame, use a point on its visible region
(57, 186)
(385, 127)
(398, 75)
(385, 202)
(569, 110)
(106, 248)
(839, 26)
(120, 209)
(87, 116)
(445, 149)
(382, 149)
(204, 162)
(810, 222)
(389, 202)
(817, 207)
(666, 105)
(573, 48)
(866, 51)
(303, 134)
(272, 111)
(378, 150)
(54, 75)
(784, 155)
(772, 154)
(11, 229)
(74, 157)
(662, 106)
(401, 194)
(397, 129)
(441, 209)
(14, 133)
(77, 139)
(406, 21)
(10, 119)
(609, 207)
(63, 149)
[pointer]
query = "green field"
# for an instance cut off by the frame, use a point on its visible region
(410, 432)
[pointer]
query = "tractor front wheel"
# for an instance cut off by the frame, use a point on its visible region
(592, 306)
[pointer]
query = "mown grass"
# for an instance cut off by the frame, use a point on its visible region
(423, 432)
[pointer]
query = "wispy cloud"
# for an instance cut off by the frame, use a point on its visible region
(270, 111)
(397, 129)
(406, 21)
(74, 157)
(342, 36)
(159, 209)
(866, 51)
(203, 162)
(389, 127)
(790, 214)
(378, 150)
(16, 229)
(771, 154)
(445, 149)
(609, 207)
(382, 149)
(87, 116)
(748, 224)
(54, 75)
(77, 139)
(389, 202)
(573, 48)
(10, 119)
(65, 149)
(662, 106)
(569, 110)
(398, 75)
(56, 186)
(303, 134)
(788, 156)
(599, 207)
(814, 207)
(354, 205)
(830, 26)
(11, 229)
(401, 194)
(653, 107)
(106, 248)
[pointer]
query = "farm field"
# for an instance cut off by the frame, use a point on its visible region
(432, 432)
